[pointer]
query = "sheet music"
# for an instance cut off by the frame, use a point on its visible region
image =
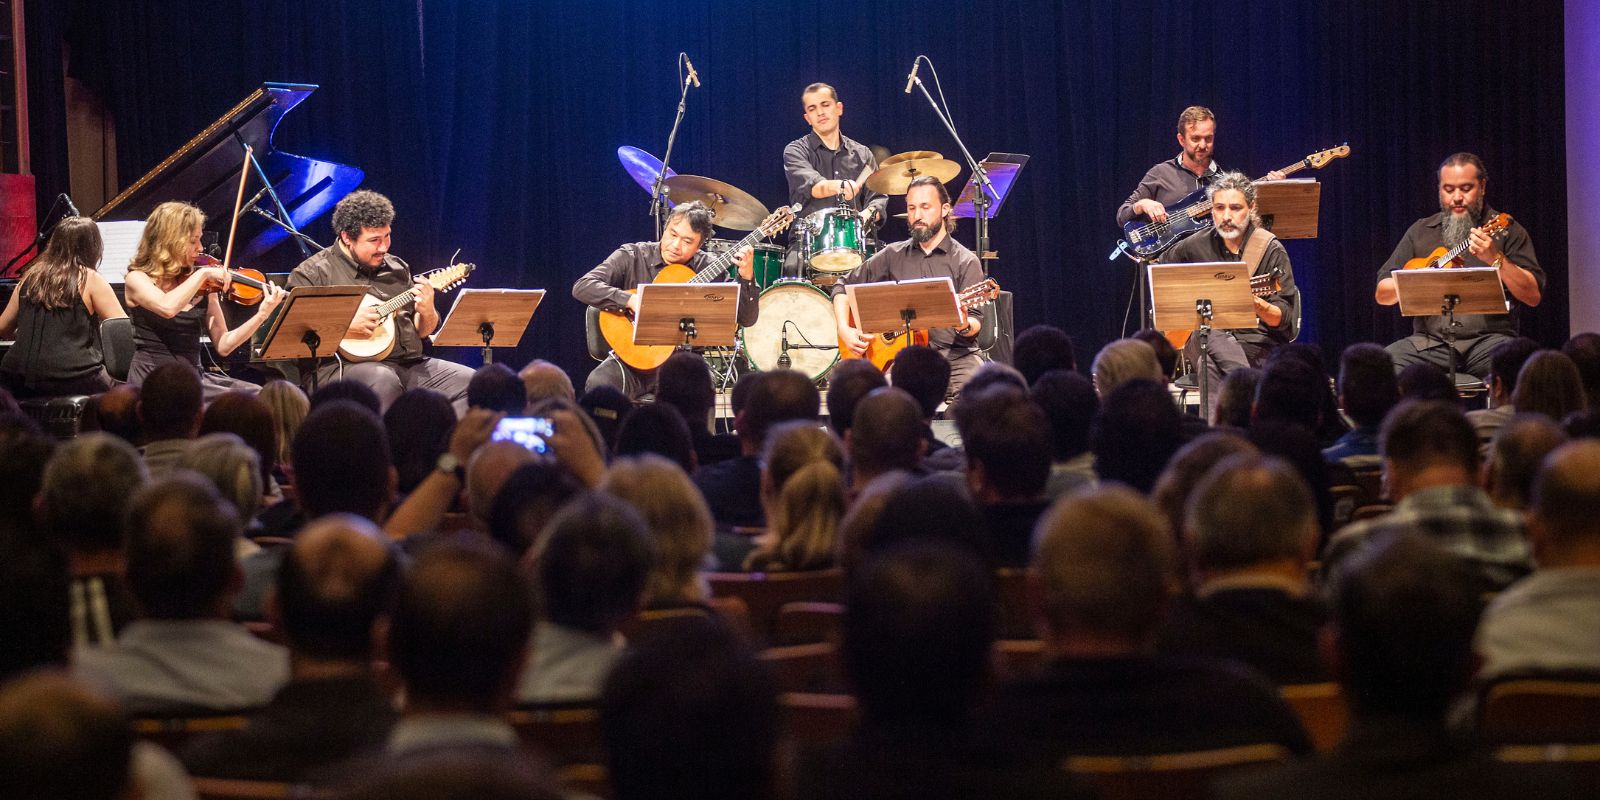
(121, 243)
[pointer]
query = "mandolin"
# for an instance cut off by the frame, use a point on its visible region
(1441, 258)
(380, 344)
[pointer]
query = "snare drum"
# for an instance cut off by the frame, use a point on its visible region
(835, 240)
(767, 259)
(803, 314)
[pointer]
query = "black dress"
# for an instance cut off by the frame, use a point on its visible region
(57, 352)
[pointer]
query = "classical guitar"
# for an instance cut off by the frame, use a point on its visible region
(380, 344)
(617, 326)
(883, 348)
(1142, 239)
(1441, 258)
(1266, 284)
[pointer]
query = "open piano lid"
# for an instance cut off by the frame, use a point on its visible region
(205, 172)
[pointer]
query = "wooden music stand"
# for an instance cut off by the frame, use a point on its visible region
(917, 304)
(687, 314)
(1201, 297)
(309, 323)
(1289, 208)
(480, 315)
(1448, 292)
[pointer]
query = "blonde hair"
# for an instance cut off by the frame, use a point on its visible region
(679, 520)
(230, 465)
(802, 488)
(165, 238)
(289, 407)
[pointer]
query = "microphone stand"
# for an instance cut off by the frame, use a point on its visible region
(300, 238)
(284, 221)
(980, 204)
(657, 198)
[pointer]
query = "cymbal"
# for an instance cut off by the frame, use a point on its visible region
(909, 155)
(735, 208)
(896, 178)
(641, 166)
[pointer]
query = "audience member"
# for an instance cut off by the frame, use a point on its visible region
(1549, 384)
(185, 654)
(1515, 453)
(591, 571)
(454, 775)
(541, 379)
(934, 508)
(1584, 350)
(802, 490)
(1121, 361)
(887, 435)
(527, 501)
(418, 425)
(24, 452)
(660, 429)
(35, 616)
(234, 470)
(995, 372)
(1070, 404)
(1367, 390)
(1332, 425)
(1236, 397)
(1289, 392)
(733, 488)
(289, 407)
(1041, 349)
(116, 411)
(1007, 441)
(244, 415)
(58, 739)
(607, 407)
(1105, 566)
(860, 520)
(1166, 354)
(850, 381)
(1426, 382)
(351, 390)
(83, 499)
(678, 522)
(1136, 431)
(495, 387)
(488, 470)
(1505, 363)
(919, 372)
(684, 382)
(1186, 469)
(169, 414)
(342, 462)
(1301, 448)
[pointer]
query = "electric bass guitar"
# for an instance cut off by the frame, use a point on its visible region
(1266, 284)
(1441, 258)
(617, 326)
(380, 344)
(1143, 240)
(884, 348)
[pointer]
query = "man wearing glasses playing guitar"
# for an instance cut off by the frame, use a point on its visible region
(1465, 232)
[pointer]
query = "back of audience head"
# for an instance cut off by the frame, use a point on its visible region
(1562, 526)
(1403, 616)
(116, 411)
(1505, 364)
(349, 390)
(1300, 448)
(1515, 455)
(1236, 398)
(243, 414)
(1105, 562)
(684, 382)
(460, 629)
(418, 426)
(592, 569)
(454, 775)
(1290, 391)
(607, 407)
(1549, 384)
(488, 470)
(850, 381)
(288, 406)
(1006, 437)
(341, 462)
(1124, 360)
(700, 685)
(660, 429)
(541, 379)
(918, 627)
(887, 433)
(1188, 467)
(181, 538)
(169, 403)
(1367, 386)
(58, 739)
(35, 607)
(934, 508)
(1248, 512)
(780, 396)
(1418, 436)
(24, 452)
(85, 491)
(1584, 350)
(924, 373)
(677, 519)
(1166, 354)
(860, 521)
(1069, 403)
(1425, 382)
(527, 501)
(232, 467)
(1138, 429)
(993, 373)
(1041, 349)
(336, 582)
(802, 490)
(495, 387)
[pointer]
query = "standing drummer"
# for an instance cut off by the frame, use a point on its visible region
(825, 164)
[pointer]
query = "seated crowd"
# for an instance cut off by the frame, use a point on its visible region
(385, 605)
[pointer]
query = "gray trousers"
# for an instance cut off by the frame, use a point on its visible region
(390, 379)
(1224, 355)
(1472, 354)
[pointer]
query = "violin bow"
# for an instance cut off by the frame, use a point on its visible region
(244, 175)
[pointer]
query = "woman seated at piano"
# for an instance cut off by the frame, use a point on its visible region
(172, 301)
(55, 315)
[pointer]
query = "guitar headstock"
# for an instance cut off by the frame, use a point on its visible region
(777, 221)
(980, 293)
(1317, 160)
(443, 280)
(1497, 223)
(1266, 284)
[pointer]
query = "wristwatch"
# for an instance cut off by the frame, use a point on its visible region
(449, 464)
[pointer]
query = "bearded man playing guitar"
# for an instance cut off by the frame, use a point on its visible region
(609, 287)
(362, 221)
(1464, 222)
(931, 252)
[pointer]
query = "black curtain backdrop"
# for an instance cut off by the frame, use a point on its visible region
(494, 124)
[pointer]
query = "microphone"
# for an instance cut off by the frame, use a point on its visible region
(783, 356)
(251, 203)
(694, 77)
(912, 78)
(72, 210)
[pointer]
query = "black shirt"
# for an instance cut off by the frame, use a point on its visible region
(1267, 629)
(1427, 234)
(308, 727)
(1208, 246)
(906, 260)
(333, 267)
(1166, 183)
(606, 286)
(807, 161)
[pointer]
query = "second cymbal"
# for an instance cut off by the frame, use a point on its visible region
(735, 208)
(909, 155)
(896, 178)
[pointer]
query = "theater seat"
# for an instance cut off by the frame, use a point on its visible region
(1169, 776)
(60, 417)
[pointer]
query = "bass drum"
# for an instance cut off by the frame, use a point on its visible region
(803, 314)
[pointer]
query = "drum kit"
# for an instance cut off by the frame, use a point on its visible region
(796, 329)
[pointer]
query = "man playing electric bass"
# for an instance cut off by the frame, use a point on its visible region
(1461, 223)
(1235, 236)
(931, 252)
(362, 222)
(607, 286)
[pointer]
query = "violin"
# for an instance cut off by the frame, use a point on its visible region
(245, 286)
